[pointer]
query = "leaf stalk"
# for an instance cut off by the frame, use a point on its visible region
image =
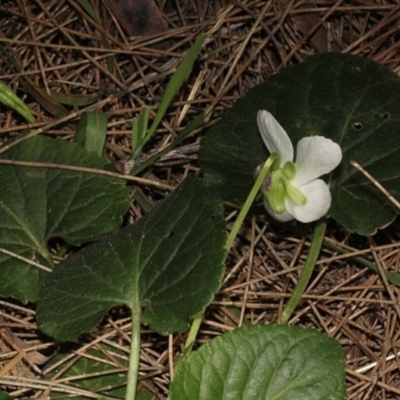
(134, 356)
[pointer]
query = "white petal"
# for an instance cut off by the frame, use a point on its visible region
(282, 217)
(318, 202)
(316, 156)
(274, 136)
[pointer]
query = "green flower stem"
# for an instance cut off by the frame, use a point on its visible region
(316, 244)
(249, 201)
(194, 329)
(134, 356)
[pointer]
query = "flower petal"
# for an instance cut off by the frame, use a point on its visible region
(318, 202)
(316, 156)
(282, 217)
(274, 136)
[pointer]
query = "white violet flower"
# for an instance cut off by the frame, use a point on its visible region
(291, 189)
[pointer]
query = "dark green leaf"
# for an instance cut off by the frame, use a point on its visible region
(170, 263)
(352, 100)
(263, 362)
(37, 204)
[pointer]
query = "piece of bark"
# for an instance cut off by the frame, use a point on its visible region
(138, 17)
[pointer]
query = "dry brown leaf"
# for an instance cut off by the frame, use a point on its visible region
(138, 17)
(304, 24)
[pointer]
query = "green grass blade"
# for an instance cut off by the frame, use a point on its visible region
(176, 82)
(10, 99)
(92, 131)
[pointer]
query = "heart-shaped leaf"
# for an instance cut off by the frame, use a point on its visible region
(37, 204)
(263, 362)
(352, 100)
(170, 263)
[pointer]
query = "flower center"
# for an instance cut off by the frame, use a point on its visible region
(280, 188)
